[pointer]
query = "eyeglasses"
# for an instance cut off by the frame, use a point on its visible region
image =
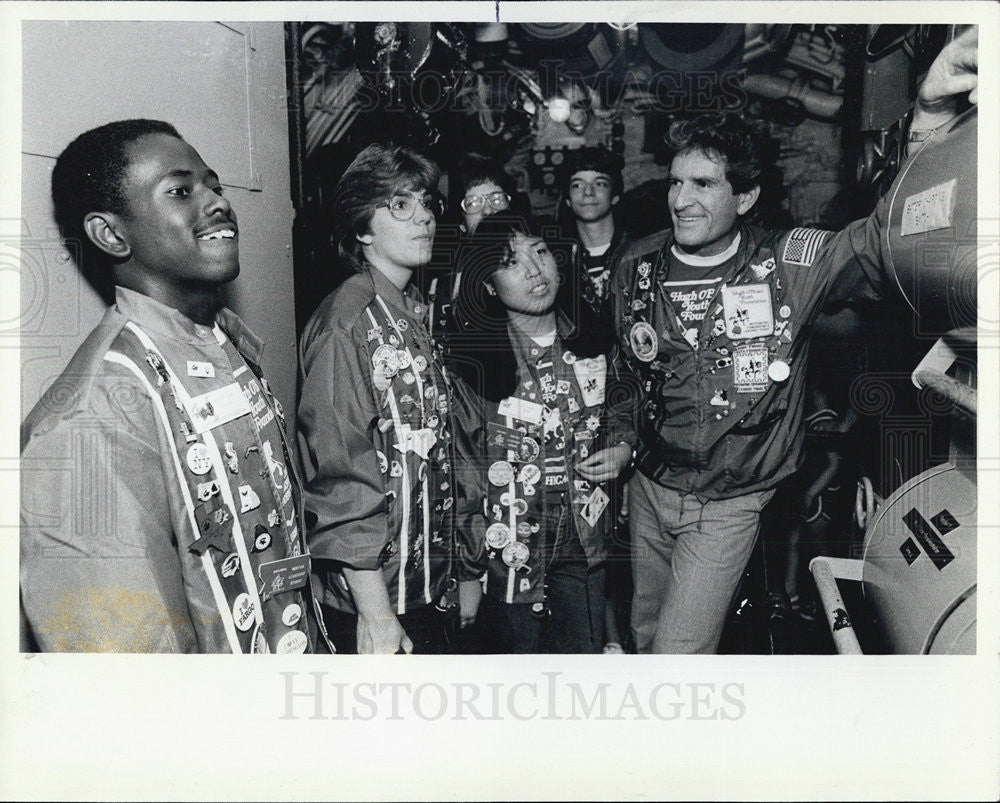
(403, 207)
(475, 203)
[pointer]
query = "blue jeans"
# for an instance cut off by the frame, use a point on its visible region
(687, 558)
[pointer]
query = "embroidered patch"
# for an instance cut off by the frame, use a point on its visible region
(802, 245)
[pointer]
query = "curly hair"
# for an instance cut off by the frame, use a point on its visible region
(742, 140)
(376, 173)
(89, 176)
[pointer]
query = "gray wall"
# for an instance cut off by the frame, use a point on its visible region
(223, 87)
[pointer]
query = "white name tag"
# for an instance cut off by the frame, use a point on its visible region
(204, 370)
(748, 311)
(591, 374)
(217, 407)
(522, 410)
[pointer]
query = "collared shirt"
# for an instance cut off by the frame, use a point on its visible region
(379, 426)
(556, 418)
(158, 498)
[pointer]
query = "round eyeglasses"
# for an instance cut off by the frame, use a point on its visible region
(403, 207)
(475, 203)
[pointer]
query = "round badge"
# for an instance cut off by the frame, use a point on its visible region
(258, 644)
(198, 460)
(405, 361)
(291, 615)
(778, 371)
(519, 506)
(386, 357)
(643, 340)
(569, 357)
(433, 421)
(529, 474)
(393, 340)
(430, 392)
(515, 554)
(409, 378)
(501, 473)
(420, 363)
(293, 642)
(529, 450)
(243, 609)
(784, 311)
(497, 535)
(506, 498)
(380, 380)
(402, 324)
(262, 541)
(523, 529)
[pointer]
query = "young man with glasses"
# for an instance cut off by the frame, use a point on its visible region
(380, 424)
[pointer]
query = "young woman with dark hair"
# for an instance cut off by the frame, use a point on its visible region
(552, 438)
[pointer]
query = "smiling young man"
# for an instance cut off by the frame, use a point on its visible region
(380, 425)
(591, 188)
(714, 319)
(160, 510)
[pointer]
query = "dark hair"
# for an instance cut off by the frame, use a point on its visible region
(88, 177)
(599, 160)
(743, 142)
(479, 348)
(371, 179)
(474, 169)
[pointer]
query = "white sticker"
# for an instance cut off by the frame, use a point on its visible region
(521, 409)
(591, 374)
(929, 209)
(748, 311)
(217, 407)
(750, 369)
(248, 499)
(594, 507)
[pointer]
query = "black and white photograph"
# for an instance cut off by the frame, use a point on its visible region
(595, 381)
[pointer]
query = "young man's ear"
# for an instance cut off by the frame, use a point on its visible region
(103, 231)
(490, 289)
(746, 200)
(364, 239)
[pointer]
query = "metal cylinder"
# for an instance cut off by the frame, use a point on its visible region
(931, 247)
(920, 564)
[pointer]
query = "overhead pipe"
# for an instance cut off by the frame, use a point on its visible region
(815, 101)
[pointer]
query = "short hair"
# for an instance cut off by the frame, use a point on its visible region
(376, 173)
(474, 169)
(741, 140)
(600, 160)
(89, 176)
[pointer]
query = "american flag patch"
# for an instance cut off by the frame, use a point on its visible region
(802, 245)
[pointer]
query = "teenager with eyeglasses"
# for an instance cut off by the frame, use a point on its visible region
(381, 424)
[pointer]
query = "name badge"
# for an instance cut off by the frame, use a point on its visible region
(286, 574)
(750, 364)
(522, 409)
(590, 375)
(594, 507)
(503, 437)
(748, 311)
(201, 369)
(217, 407)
